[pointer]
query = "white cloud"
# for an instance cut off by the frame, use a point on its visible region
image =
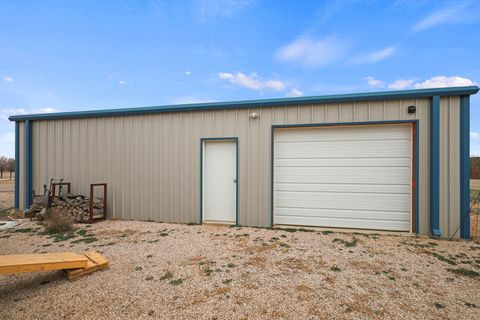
(376, 56)
(122, 82)
(252, 81)
(188, 72)
(434, 82)
(443, 81)
(7, 144)
(5, 113)
(313, 52)
(400, 84)
(8, 79)
(372, 82)
(46, 110)
(450, 14)
(14, 111)
(295, 93)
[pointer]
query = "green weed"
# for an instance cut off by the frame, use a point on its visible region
(347, 244)
(167, 275)
(465, 272)
(450, 261)
(176, 282)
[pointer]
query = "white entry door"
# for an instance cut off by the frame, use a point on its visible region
(345, 177)
(219, 181)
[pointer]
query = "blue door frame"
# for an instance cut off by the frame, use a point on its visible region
(202, 141)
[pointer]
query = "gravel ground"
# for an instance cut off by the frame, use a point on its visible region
(175, 271)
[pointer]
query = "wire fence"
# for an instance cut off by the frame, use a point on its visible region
(475, 214)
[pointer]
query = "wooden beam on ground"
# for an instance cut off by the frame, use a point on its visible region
(95, 262)
(41, 262)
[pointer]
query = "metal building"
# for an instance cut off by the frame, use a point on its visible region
(396, 160)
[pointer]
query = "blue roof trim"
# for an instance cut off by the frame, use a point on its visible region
(383, 95)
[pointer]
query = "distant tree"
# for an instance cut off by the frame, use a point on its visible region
(474, 167)
(11, 166)
(3, 165)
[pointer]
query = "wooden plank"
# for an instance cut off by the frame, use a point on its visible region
(97, 258)
(41, 262)
(96, 262)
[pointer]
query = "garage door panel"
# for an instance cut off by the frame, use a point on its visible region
(349, 201)
(373, 175)
(350, 133)
(342, 214)
(346, 188)
(343, 149)
(342, 162)
(346, 177)
(346, 223)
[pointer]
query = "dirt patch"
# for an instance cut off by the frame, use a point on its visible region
(257, 261)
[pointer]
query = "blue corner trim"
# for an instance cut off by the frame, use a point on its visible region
(202, 140)
(367, 96)
(417, 180)
(272, 176)
(435, 166)
(465, 167)
(414, 122)
(28, 163)
(17, 165)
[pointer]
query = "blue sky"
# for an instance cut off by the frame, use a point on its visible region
(79, 55)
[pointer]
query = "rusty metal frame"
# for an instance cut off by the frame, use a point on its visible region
(92, 186)
(54, 184)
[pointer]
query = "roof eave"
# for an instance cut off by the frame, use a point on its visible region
(383, 95)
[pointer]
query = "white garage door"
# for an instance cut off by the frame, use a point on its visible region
(345, 177)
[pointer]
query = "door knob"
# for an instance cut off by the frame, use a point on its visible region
(234, 180)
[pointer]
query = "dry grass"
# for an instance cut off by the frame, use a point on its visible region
(216, 272)
(6, 200)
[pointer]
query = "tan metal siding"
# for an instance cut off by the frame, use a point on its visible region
(450, 166)
(423, 183)
(152, 166)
